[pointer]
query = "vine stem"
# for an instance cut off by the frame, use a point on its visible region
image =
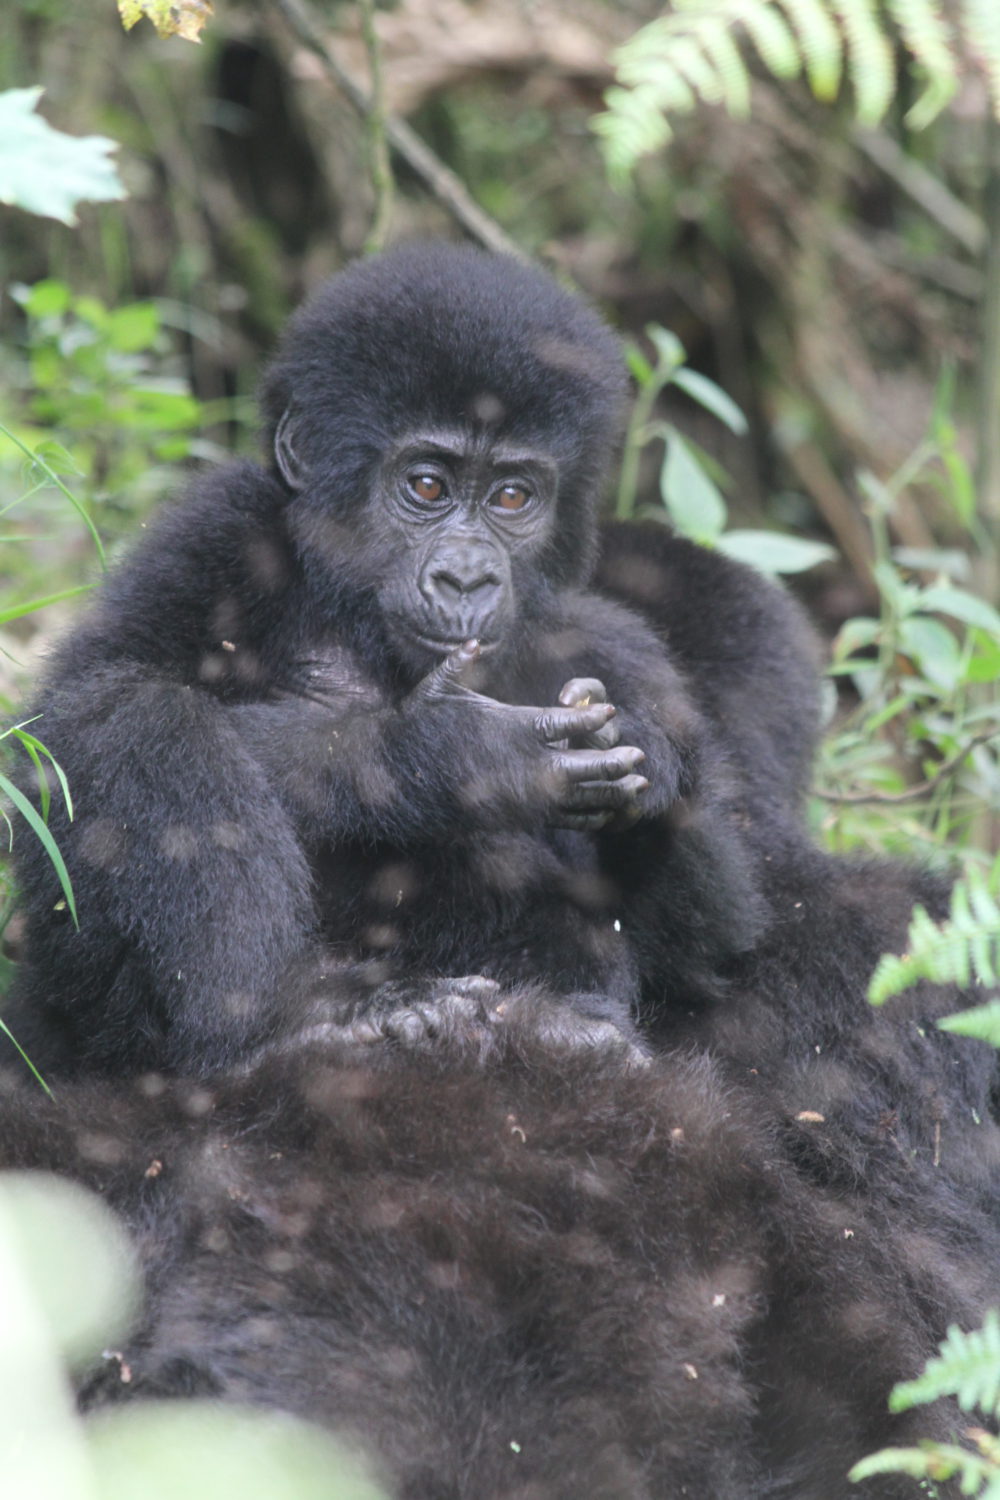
(986, 829)
(988, 405)
(446, 187)
(379, 164)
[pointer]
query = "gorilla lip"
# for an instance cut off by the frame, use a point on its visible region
(446, 645)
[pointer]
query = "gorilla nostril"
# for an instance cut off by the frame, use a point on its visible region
(453, 583)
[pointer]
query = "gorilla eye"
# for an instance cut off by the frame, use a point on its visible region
(426, 487)
(511, 497)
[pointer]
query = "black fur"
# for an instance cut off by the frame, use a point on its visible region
(528, 1267)
(277, 777)
(482, 1230)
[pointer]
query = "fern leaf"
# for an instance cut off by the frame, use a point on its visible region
(632, 126)
(928, 37)
(967, 1367)
(768, 30)
(934, 1462)
(688, 58)
(981, 22)
(725, 57)
(869, 58)
(963, 950)
(981, 1022)
(821, 46)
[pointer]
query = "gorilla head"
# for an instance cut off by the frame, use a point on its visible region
(480, 457)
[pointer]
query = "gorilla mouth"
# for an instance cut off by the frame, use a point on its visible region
(444, 645)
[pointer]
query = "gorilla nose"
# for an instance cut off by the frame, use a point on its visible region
(462, 575)
(454, 583)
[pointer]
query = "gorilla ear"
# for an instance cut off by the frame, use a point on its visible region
(293, 470)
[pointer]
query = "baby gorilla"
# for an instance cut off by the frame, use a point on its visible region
(360, 714)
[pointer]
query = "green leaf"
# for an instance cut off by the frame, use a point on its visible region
(639, 367)
(934, 649)
(948, 560)
(669, 349)
(134, 327)
(712, 398)
(771, 36)
(945, 599)
(821, 47)
(773, 552)
(981, 1022)
(46, 172)
(46, 299)
(59, 460)
(19, 611)
(695, 504)
(870, 62)
(967, 1367)
(855, 635)
(44, 837)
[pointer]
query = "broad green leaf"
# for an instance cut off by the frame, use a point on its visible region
(46, 299)
(46, 172)
(855, 635)
(134, 327)
(201, 1450)
(934, 649)
(773, 552)
(933, 560)
(695, 504)
(943, 598)
(712, 398)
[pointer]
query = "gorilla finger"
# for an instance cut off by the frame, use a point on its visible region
(449, 674)
(599, 765)
(603, 739)
(580, 692)
(609, 795)
(582, 822)
(571, 723)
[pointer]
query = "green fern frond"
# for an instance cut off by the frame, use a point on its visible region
(820, 44)
(936, 1462)
(928, 37)
(981, 1022)
(967, 1367)
(692, 53)
(869, 58)
(963, 950)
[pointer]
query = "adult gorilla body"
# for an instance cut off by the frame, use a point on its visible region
(353, 707)
(538, 1269)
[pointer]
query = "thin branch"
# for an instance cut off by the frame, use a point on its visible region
(930, 194)
(913, 793)
(440, 181)
(378, 145)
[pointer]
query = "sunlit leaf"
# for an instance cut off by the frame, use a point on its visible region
(46, 172)
(183, 18)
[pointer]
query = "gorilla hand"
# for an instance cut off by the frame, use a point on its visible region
(561, 764)
(626, 807)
